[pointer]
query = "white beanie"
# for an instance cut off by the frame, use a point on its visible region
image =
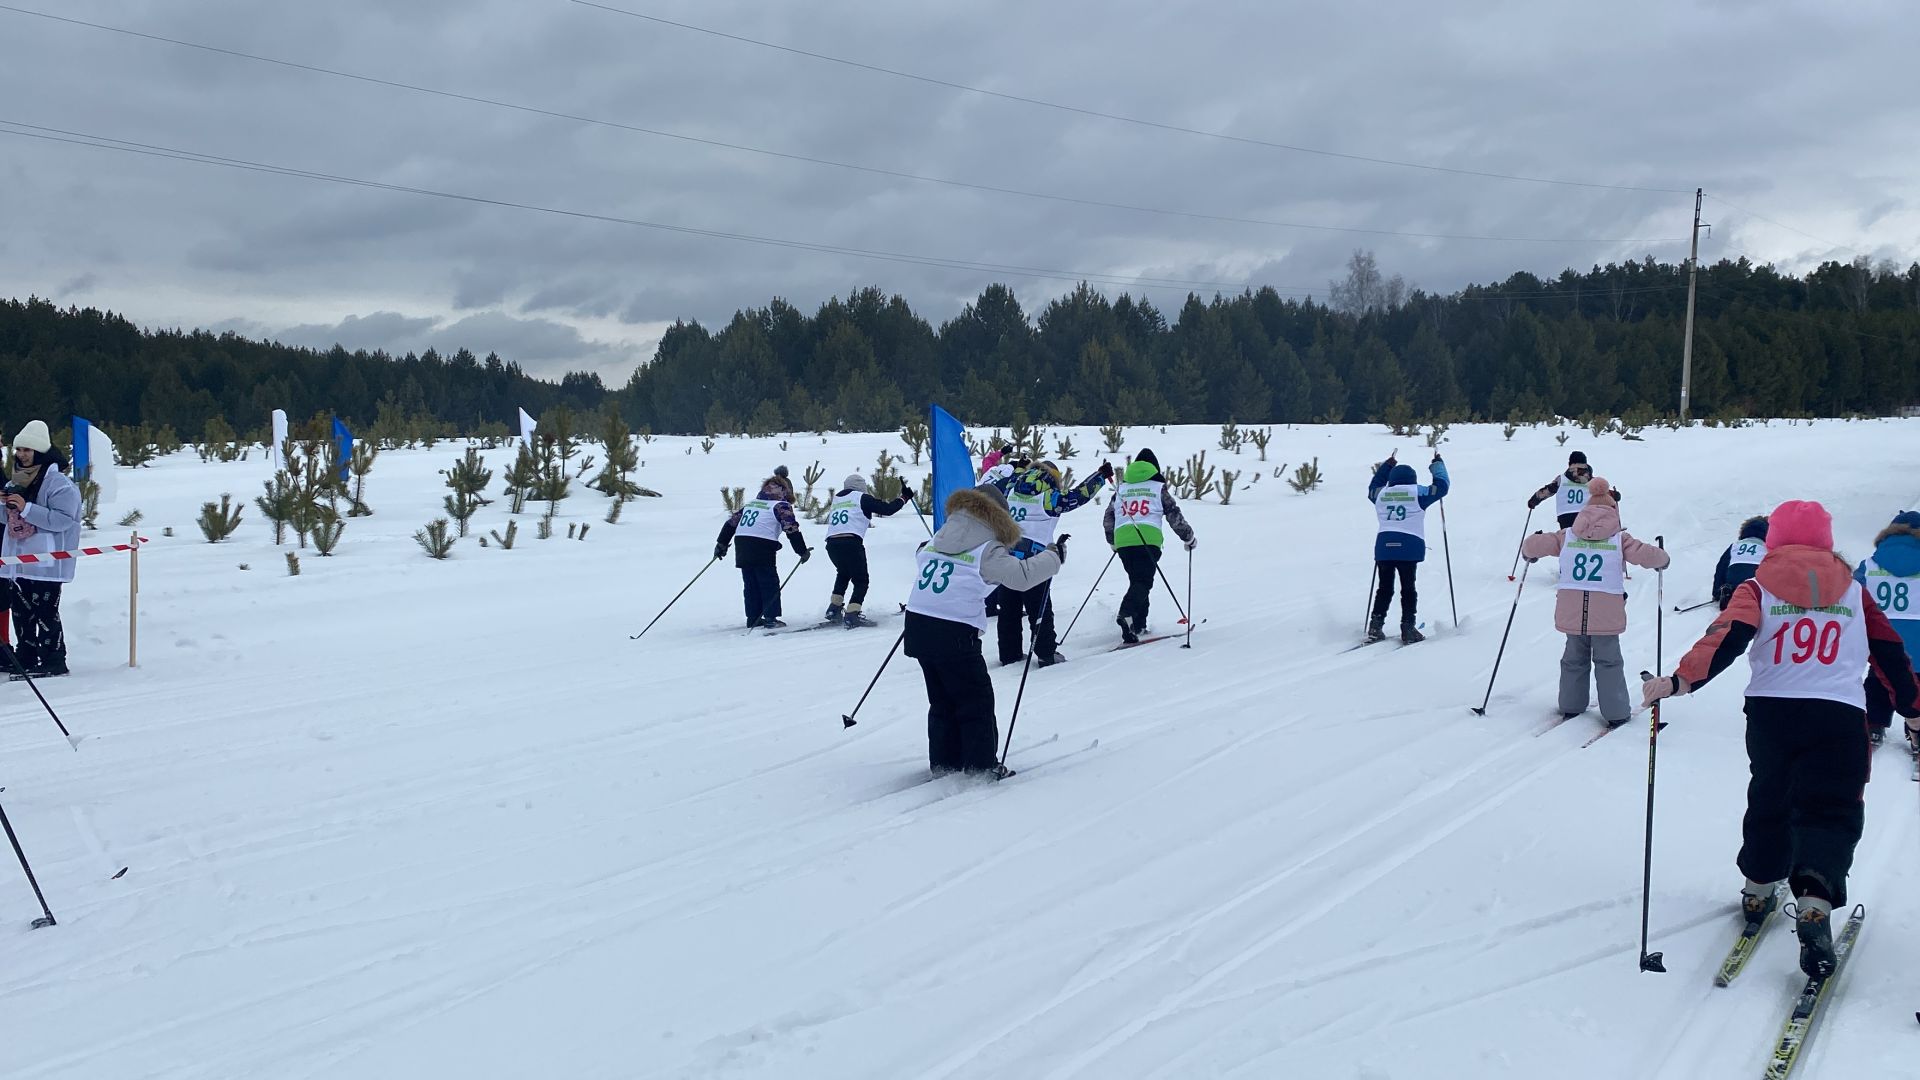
(855, 482)
(34, 437)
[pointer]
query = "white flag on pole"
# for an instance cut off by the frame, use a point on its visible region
(279, 438)
(526, 429)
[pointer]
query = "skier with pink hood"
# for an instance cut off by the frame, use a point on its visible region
(1813, 631)
(1592, 607)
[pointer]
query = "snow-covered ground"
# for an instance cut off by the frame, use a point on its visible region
(404, 818)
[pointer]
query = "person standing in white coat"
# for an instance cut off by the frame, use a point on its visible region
(43, 514)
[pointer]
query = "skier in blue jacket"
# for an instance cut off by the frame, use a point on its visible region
(1400, 502)
(1892, 576)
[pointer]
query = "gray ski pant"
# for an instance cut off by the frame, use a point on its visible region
(1602, 656)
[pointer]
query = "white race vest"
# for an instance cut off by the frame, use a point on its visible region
(1030, 513)
(1898, 597)
(1747, 552)
(1570, 499)
(1819, 653)
(1592, 565)
(758, 519)
(845, 518)
(950, 587)
(994, 475)
(1399, 510)
(1141, 505)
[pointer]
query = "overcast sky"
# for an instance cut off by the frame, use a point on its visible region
(1802, 112)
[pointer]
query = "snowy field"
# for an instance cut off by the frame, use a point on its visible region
(400, 818)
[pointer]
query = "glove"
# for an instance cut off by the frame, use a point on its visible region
(1106, 470)
(805, 554)
(906, 492)
(719, 551)
(1532, 503)
(1060, 547)
(1616, 494)
(1654, 689)
(1193, 543)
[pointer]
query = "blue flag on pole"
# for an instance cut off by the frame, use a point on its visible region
(343, 440)
(952, 462)
(82, 447)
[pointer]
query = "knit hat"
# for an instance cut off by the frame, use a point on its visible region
(1146, 455)
(1578, 457)
(994, 493)
(1597, 489)
(854, 482)
(1908, 518)
(1802, 523)
(780, 471)
(34, 437)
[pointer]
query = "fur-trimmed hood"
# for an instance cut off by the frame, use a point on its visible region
(1897, 548)
(974, 517)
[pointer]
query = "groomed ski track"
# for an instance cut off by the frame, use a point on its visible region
(403, 818)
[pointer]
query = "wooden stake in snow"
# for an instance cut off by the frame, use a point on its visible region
(133, 602)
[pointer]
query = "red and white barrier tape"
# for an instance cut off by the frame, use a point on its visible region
(61, 556)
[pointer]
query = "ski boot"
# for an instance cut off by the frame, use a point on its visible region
(1052, 659)
(1876, 736)
(1814, 924)
(1756, 906)
(1127, 633)
(753, 622)
(856, 618)
(775, 623)
(1410, 634)
(834, 610)
(1375, 629)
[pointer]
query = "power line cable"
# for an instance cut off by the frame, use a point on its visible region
(1084, 111)
(1780, 224)
(826, 162)
(79, 138)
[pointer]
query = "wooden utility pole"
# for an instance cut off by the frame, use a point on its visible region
(1693, 279)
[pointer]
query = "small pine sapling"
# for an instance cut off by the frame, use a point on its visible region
(89, 503)
(277, 504)
(572, 528)
(914, 433)
(733, 497)
(584, 526)
(219, 522)
(1062, 450)
(1114, 435)
(328, 526)
(1260, 437)
(706, 445)
(360, 464)
(1561, 438)
(812, 474)
(293, 564)
(1201, 475)
(131, 519)
(523, 477)
(468, 479)
(1227, 480)
(1306, 477)
(923, 495)
(613, 511)
(1437, 434)
(506, 542)
(1230, 437)
(436, 540)
(1508, 429)
(543, 530)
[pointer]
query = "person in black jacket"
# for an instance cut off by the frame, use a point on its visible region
(1740, 560)
(848, 517)
(757, 527)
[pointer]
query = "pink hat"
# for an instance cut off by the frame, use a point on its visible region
(1803, 523)
(1598, 488)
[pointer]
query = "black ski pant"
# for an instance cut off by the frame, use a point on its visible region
(1879, 703)
(1383, 594)
(39, 639)
(962, 732)
(760, 589)
(1141, 563)
(849, 555)
(1035, 606)
(1810, 761)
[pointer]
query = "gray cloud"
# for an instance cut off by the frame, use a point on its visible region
(1797, 110)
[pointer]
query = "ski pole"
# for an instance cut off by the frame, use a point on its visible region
(20, 669)
(847, 720)
(1652, 961)
(790, 573)
(1482, 710)
(1045, 606)
(1188, 644)
(1516, 547)
(675, 600)
(921, 516)
(1678, 610)
(1175, 595)
(1446, 546)
(48, 920)
(1090, 592)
